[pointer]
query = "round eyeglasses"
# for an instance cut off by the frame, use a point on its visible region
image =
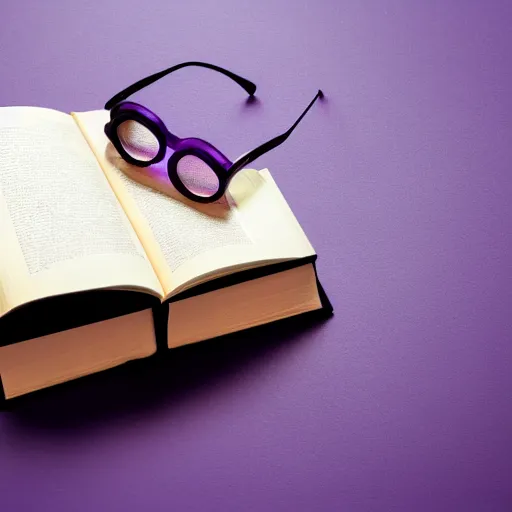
(196, 168)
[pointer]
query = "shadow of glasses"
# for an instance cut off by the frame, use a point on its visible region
(155, 177)
(242, 188)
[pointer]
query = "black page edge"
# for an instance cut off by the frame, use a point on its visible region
(242, 276)
(121, 302)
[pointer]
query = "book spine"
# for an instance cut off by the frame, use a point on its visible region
(160, 321)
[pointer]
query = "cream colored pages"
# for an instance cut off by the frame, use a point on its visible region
(66, 355)
(243, 305)
(62, 229)
(189, 243)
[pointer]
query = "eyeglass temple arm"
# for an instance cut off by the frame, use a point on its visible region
(249, 157)
(249, 86)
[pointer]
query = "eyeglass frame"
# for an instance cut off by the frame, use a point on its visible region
(224, 169)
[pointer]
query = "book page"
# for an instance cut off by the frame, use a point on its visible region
(61, 227)
(189, 242)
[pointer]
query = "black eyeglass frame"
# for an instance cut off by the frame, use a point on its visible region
(225, 169)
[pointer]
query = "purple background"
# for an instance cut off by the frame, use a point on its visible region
(402, 181)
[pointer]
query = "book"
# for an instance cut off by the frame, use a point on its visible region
(102, 263)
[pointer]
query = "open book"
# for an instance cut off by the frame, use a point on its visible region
(102, 263)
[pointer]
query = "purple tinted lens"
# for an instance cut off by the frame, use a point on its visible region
(197, 176)
(138, 141)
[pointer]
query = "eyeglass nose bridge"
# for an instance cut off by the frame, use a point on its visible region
(172, 140)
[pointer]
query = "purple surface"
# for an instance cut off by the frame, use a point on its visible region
(402, 180)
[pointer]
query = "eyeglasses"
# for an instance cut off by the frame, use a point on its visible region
(197, 169)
